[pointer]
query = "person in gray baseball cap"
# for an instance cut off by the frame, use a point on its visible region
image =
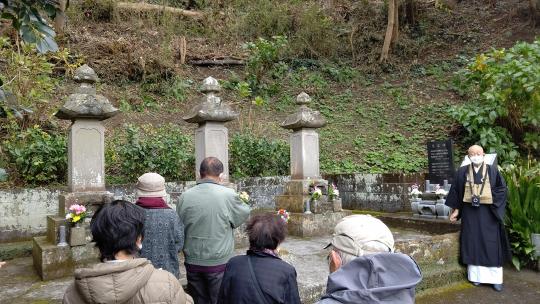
(364, 267)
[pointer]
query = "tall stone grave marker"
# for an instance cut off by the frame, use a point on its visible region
(308, 218)
(440, 161)
(86, 180)
(211, 137)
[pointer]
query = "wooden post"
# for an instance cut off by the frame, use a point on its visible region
(183, 50)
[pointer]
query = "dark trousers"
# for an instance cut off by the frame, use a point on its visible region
(204, 287)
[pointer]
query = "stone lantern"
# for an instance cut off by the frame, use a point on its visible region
(308, 217)
(211, 137)
(86, 180)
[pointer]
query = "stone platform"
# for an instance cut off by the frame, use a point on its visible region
(435, 254)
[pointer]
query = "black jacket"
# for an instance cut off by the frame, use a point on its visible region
(276, 278)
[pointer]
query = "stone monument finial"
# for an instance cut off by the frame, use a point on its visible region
(85, 102)
(304, 116)
(211, 107)
(303, 99)
(211, 137)
(85, 74)
(210, 85)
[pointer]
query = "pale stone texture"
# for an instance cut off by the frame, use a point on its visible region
(23, 212)
(86, 156)
(304, 140)
(211, 137)
(305, 154)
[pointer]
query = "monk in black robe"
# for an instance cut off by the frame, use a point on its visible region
(478, 197)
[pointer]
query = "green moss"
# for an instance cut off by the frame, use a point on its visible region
(373, 213)
(425, 295)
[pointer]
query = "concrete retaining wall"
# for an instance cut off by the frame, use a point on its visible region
(23, 211)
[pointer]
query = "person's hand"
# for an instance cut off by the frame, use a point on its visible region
(2, 264)
(454, 215)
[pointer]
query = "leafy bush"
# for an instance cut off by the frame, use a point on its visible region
(39, 157)
(523, 212)
(29, 78)
(27, 18)
(313, 33)
(251, 156)
(504, 107)
(265, 56)
(164, 150)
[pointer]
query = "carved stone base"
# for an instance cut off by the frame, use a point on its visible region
(53, 262)
(91, 200)
(309, 225)
(296, 194)
(77, 236)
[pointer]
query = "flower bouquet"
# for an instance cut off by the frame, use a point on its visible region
(316, 194)
(333, 192)
(440, 192)
(415, 192)
(284, 215)
(77, 214)
(244, 197)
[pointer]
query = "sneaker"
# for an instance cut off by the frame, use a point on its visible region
(498, 287)
(475, 283)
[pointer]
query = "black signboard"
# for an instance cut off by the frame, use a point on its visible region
(440, 161)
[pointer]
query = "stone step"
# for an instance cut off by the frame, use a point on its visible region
(14, 250)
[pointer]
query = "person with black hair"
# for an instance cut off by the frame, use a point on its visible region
(210, 212)
(260, 276)
(122, 277)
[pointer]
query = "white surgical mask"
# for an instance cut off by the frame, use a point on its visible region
(477, 159)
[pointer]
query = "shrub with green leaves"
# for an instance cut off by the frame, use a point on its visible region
(165, 150)
(503, 112)
(39, 157)
(27, 17)
(252, 156)
(265, 56)
(523, 211)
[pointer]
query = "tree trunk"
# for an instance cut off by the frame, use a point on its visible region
(395, 30)
(410, 12)
(60, 18)
(534, 8)
(389, 30)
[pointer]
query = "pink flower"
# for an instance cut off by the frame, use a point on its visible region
(77, 209)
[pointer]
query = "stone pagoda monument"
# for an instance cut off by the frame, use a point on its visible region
(309, 216)
(211, 137)
(67, 246)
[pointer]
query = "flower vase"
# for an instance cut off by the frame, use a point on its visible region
(77, 235)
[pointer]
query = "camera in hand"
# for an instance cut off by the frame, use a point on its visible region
(475, 200)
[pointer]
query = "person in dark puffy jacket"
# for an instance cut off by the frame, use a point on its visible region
(260, 276)
(122, 277)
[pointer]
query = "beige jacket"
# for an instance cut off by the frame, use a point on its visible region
(133, 282)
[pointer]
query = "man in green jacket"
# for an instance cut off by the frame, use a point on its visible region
(210, 212)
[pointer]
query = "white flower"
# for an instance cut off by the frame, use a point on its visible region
(441, 191)
(336, 192)
(415, 191)
(68, 216)
(244, 197)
